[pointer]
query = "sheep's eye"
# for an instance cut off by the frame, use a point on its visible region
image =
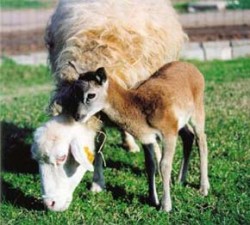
(60, 159)
(91, 96)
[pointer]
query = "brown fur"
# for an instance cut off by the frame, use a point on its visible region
(174, 85)
(163, 105)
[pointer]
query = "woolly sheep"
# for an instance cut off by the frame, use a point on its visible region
(131, 39)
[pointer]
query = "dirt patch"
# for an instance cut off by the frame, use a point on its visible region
(22, 42)
(218, 33)
(33, 40)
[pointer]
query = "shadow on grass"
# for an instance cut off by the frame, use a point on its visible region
(18, 198)
(119, 193)
(122, 165)
(16, 158)
(16, 154)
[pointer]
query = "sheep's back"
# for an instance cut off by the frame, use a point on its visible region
(131, 39)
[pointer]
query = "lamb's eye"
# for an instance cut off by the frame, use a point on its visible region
(91, 96)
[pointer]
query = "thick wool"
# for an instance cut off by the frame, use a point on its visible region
(130, 38)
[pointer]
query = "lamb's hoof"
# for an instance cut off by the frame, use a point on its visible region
(131, 146)
(96, 188)
(204, 189)
(135, 149)
(154, 201)
(166, 208)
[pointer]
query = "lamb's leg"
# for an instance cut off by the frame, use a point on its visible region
(129, 142)
(166, 168)
(98, 183)
(187, 141)
(151, 169)
(199, 126)
(204, 182)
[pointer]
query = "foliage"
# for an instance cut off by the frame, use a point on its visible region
(125, 200)
(18, 4)
(238, 4)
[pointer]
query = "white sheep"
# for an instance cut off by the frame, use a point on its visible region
(131, 39)
(65, 150)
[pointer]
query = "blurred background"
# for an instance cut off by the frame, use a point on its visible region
(217, 29)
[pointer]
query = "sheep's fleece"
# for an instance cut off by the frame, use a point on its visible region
(130, 38)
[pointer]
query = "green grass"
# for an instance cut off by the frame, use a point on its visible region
(22, 4)
(182, 7)
(125, 200)
(240, 4)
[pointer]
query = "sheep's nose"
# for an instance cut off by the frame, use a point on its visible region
(49, 203)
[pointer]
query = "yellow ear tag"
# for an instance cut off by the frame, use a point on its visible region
(89, 154)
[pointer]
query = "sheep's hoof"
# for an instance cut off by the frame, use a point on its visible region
(96, 188)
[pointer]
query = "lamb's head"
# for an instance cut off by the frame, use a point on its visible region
(84, 97)
(64, 150)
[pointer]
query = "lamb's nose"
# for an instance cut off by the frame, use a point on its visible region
(49, 203)
(77, 116)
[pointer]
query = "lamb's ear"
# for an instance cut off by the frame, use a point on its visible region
(80, 155)
(100, 75)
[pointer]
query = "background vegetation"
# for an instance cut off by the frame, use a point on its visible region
(21, 4)
(180, 5)
(25, 92)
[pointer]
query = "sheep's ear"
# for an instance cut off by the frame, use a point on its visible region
(80, 155)
(100, 75)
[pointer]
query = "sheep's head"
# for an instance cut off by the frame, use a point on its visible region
(64, 154)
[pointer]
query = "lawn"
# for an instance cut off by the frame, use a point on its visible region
(25, 92)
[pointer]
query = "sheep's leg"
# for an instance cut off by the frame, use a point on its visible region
(166, 168)
(151, 169)
(129, 142)
(187, 141)
(198, 121)
(98, 183)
